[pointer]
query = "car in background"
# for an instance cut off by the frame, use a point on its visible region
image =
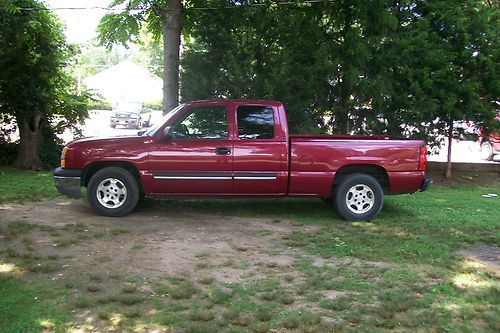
(490, 144)
(130, 114)
(465, 130)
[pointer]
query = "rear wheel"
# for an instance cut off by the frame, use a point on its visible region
(359, 197)
(113, 191)
(486, 151)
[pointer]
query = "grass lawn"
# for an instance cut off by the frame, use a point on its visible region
(401, 272)
(18, 186)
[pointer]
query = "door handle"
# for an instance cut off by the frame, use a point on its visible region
(222, 151)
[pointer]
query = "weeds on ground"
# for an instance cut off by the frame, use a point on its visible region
(400, 272)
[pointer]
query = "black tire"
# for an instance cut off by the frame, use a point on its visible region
(117, 184)
(486, 151)
(139, 123)
(359, 197)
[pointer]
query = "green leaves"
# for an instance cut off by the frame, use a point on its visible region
(37, 89)
(9, 7)
(369, 67)
(121, 28)
(125, 27)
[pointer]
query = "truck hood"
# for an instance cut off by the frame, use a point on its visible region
(99, 141)
(82, 152)
(126, 112)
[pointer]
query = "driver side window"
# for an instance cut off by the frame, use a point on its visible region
(204, 122)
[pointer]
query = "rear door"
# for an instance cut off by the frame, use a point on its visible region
(259, 152)
(197, 159)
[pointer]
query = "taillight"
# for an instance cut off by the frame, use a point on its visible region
(423, 159)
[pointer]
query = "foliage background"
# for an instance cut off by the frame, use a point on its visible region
(38, 90)
(404, 68)
(350, 66)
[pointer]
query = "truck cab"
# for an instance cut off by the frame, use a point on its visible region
(215, 148)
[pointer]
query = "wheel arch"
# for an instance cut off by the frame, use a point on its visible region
(376, 171)
(92, 168)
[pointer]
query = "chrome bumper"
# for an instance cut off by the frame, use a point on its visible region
(124, 121)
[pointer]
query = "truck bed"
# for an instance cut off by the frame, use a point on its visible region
(315, 160)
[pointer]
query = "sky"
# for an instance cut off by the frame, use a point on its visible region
(80, 24)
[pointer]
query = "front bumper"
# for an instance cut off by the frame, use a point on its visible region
(124, 121)
(68, 182)
(425, 184)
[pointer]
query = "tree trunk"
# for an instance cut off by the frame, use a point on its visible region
(171, 19)
(450, 141)
(342, 114)
(31, 136)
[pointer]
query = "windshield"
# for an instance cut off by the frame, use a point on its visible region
(163, 120)
(128, 106)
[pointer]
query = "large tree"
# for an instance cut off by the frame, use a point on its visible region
(162, 18)
(36, 90)
(403, 67)
(464, 38)
(266, 52)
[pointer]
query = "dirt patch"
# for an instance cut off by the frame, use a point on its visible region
(154, 242)
(180, 271)
(485, 256)
(460, 177)
(333, 294)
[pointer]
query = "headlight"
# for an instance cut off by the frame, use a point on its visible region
(63, 157)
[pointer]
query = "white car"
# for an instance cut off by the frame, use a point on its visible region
(130, 114)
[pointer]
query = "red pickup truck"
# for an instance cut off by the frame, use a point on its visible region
(240, 148)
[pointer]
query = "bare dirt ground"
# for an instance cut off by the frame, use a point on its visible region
(154, 242)
(485, 256)
(463, 177)
(167, 255)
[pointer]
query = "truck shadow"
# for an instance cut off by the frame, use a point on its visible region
(301, 210)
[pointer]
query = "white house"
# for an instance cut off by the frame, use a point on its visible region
(126, 81)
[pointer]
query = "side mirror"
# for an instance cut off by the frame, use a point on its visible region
(167, 133)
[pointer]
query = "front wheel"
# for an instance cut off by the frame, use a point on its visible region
(359, 197)
(139, 123)
(113, 191)
(486, 151)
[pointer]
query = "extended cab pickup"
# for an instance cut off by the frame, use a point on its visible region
(240, 148)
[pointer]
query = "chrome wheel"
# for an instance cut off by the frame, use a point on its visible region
(111, 193)
(486, 151)
(360, 199)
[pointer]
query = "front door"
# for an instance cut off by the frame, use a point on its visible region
(197, 158)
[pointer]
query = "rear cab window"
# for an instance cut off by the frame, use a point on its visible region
(255, 122)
